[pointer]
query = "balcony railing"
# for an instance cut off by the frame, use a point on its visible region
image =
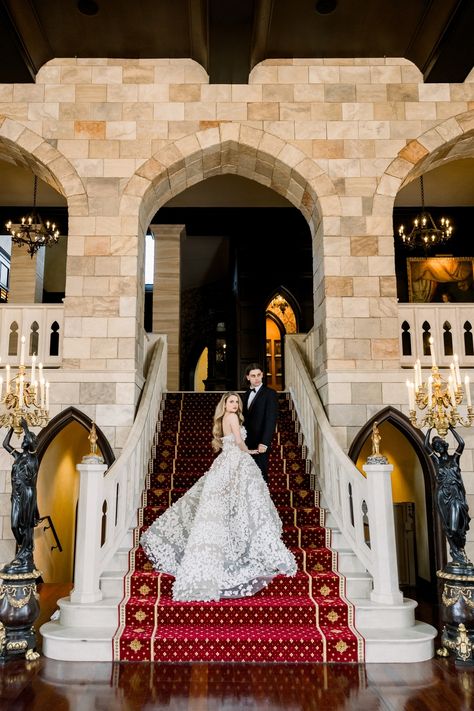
(450, 325)
(42, 326)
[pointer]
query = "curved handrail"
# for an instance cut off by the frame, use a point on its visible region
(124, 481)
(348, 494)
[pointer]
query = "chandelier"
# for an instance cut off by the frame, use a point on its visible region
(425, 233)
(32, 231)
(280, 303)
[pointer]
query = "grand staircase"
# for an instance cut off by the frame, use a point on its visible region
(311, 617)
(300, 619)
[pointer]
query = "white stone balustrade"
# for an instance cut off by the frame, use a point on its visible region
(108, 503)
(42, 326)
(345, 489)
(450, 325)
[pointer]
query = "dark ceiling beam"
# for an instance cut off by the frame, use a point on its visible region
(444, 64)
(198, 19)
(262, 24)
(433, 40)
(30, 38)
(230, 39)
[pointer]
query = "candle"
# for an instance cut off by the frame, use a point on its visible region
(1, 387)
(409, 395)
(20, 394)
(451, 391)
(468, 390)
(42, 392)
(22, 351)
(7, 378)
(40, 370)
(453, 375)
(430, 392)
(33, 363)
(418, 371)
(47, 396)
(456, 366)
(34, 387)
(433, 359)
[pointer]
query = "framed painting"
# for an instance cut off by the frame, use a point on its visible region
(440, 279)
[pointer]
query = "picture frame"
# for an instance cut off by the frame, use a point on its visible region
(439, 279)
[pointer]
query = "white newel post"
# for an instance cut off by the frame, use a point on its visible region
(86, 578)
(382, 534)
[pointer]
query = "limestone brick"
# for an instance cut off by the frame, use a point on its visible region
(326, 112)
(356, 307)
(367, 392)
(292, 75)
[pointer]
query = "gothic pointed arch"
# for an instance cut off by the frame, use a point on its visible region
(29, 150)
(232, 148)
(64, 418)
(450, 140)
(290, 299)
(414, 437)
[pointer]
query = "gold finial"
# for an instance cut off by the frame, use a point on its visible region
(94, 456)
(93, 440)
(375, 440)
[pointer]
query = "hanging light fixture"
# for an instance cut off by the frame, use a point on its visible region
(280, 303)
(425, 233)
(32, 231)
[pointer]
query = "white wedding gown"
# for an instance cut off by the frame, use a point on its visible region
(222, 538)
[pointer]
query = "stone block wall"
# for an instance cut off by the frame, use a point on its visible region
(337, 138)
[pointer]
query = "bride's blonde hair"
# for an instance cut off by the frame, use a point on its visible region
(217, 431)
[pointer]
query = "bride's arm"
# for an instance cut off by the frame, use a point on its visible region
(234, 425)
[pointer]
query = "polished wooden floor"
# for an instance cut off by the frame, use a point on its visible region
(48, 685)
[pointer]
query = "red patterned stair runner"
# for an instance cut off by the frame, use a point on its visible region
(301, 619)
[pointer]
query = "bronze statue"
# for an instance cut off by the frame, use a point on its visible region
(24, 513)
(450, 494)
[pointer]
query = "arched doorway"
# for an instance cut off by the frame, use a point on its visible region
(61, 446)
(280, 318)
(413, 487)
(201, 371)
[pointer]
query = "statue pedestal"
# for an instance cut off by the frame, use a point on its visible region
(457, 613)
(19, 609)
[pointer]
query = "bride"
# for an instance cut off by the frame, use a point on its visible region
(222, 538)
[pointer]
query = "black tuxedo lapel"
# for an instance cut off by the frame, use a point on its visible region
(260, 390)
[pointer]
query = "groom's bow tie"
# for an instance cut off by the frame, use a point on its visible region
(252, 390)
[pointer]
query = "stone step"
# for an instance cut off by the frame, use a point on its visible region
(382, 645)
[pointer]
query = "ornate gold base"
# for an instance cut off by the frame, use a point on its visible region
(19, 609)
(457, 610)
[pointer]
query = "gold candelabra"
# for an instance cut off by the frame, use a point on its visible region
(440, 397)
(24, 397)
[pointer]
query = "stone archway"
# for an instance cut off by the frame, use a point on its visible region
(450, 140)
(436, 539)
(28, 150)
(251, 153)
(31, 151)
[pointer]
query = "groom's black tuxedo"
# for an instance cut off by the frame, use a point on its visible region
(260, 421)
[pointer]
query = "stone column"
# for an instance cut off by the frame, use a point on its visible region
(86, 575)
(167, 292)
(26, 276)
(382, 532)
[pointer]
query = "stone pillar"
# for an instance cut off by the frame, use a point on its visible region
(167, 292)
(26, 276)
(86, 576)
(382, 532)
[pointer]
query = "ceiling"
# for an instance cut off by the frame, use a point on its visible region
(229, 38)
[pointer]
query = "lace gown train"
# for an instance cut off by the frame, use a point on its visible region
(222, 538)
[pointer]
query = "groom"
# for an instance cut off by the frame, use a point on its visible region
(260, 410)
